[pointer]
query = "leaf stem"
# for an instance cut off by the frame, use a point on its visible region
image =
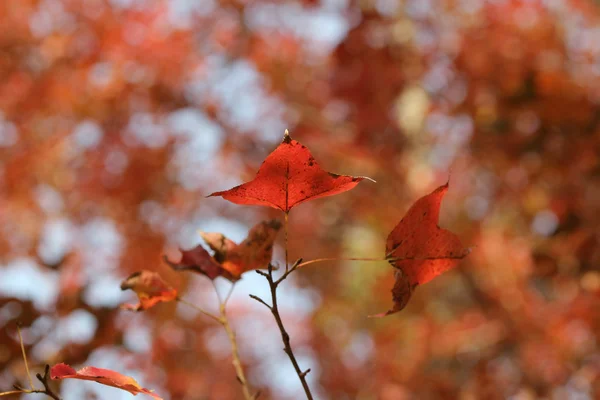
(389, 259)
(285, 231)
(324, 259)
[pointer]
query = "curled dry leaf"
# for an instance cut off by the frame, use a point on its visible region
(289, 176)
(104, 376)
(198, 260)
(230, 259)
(150, 289)
(420, 249)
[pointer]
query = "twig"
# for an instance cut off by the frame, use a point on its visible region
(260, 301)
(47, 389)
(197, 308)
(224, 302)
(287, 272)
(14, 392)
(273, 284)
(25, 357)
(222, 319)
(237, 364)
(44, 379)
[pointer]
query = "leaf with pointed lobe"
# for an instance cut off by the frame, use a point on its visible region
(420, 249)
(289, 176)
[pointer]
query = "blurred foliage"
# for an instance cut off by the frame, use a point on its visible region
(117, 117)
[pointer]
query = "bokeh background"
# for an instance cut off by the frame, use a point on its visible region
(117, 117)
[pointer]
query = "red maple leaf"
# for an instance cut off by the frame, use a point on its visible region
(230, 259)
(289, 176)
(420, 249)
(150, 289)
(104, 376)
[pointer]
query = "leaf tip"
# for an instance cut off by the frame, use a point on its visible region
(286, 137)
(369, 179)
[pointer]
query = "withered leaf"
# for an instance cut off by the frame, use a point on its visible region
(198, 260)
(150, 289)
(230, 259)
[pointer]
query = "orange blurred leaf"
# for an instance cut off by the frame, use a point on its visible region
(150, 289)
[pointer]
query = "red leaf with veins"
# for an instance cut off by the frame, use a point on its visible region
(150, 289)
(230, 259)
(420, 249)
(289, 176)
(104, 376)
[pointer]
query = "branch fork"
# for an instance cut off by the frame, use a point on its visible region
(273, 284)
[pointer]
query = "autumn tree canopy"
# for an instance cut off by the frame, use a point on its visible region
(118, 118)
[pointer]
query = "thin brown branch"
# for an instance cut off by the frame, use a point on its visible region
(261, 273)
(288, 271)
(47, 389)
(273, 284)
(44, 379)
(260, 301)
